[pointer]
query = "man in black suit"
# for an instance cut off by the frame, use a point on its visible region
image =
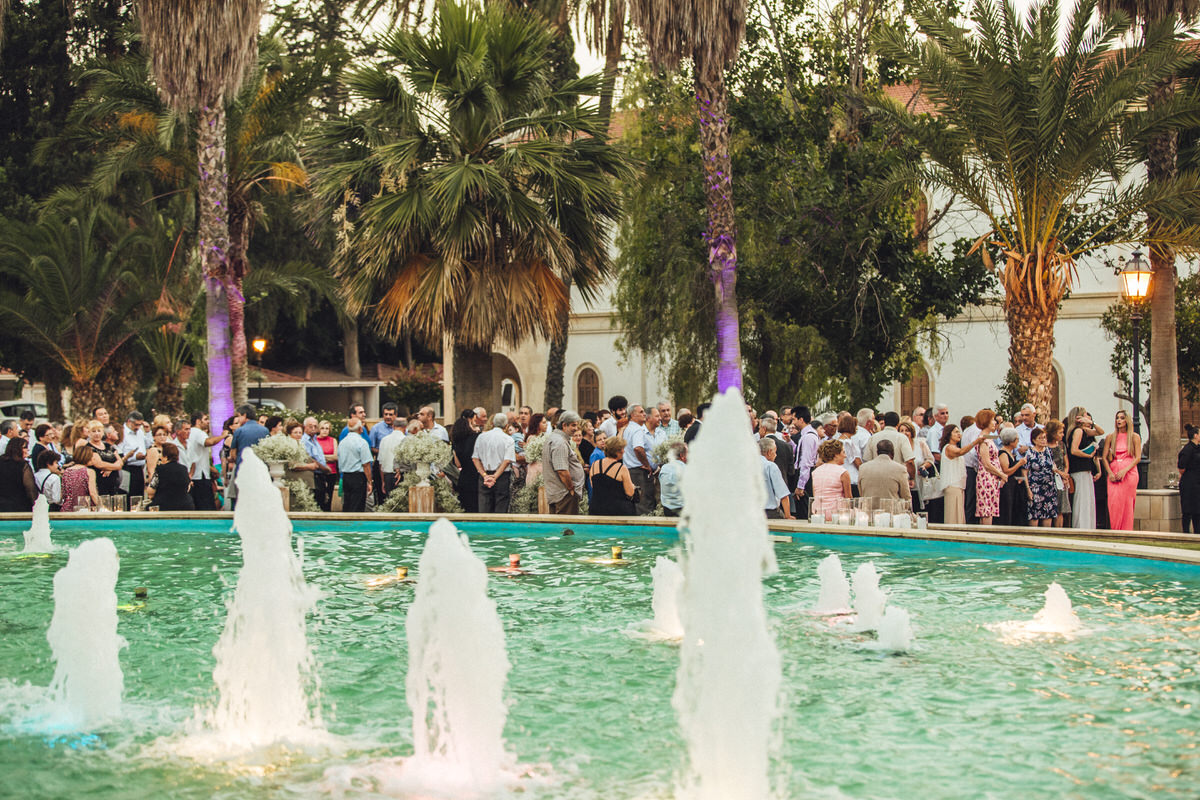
(785, 456)
(694, 429)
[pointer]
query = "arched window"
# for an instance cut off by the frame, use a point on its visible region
(915, 392)
(587, 390)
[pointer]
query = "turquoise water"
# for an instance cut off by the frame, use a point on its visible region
(1110, 713)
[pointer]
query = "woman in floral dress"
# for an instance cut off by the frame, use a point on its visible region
(1043, 491)
(988, 477)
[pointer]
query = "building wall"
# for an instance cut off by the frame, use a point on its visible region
(592, 344)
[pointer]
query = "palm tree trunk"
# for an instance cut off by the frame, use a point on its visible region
(54, 396)
(213, 236)
(1031, 348)
(556, 364)
(350, 362)
(1164, 369)
(240, 225)
(721, 238)
(613, 43)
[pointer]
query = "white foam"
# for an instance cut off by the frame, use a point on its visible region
(727, 690)
(88, 682)
(37, 538)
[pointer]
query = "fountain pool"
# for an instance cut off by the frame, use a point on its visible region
(1106, 712)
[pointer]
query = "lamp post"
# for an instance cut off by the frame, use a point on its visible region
(1135, 288)
(259, 345)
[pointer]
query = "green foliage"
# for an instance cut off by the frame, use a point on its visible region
(444, 499)
(1117, 324)
(525, 499)
(411, 389)
(834, 288)
(468, 174)
(1013, 395)
(302, 498)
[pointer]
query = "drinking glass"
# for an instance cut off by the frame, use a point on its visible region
(135, 502)
(83, 504)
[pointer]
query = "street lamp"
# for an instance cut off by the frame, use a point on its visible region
(1135, 288)
(259, 345)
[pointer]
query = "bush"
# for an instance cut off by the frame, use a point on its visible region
(413, 388)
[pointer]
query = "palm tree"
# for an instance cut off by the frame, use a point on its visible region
(78, 288)
(468, 185)
(121, 116)
(199, 53)
(1038, 135)
(710, 33)
(1160, 165)
(604, 29)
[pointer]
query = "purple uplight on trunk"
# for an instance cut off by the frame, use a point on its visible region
(720, 235)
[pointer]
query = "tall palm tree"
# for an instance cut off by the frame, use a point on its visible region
(468, 184)
(709, 32)
(136, 133)
(1038, 133)
(1160, 165)
(199, 53)
(604, 28)
(77, 288)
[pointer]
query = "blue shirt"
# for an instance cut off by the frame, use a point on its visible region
(776, 488)
(362, 433)
(670, 480)
(380, 430)
(353, 454)
(313, 449)
(653, 440)
(250, 434)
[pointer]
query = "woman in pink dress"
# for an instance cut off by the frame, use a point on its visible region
(1122, 450)
(988, 477)
(831, 480)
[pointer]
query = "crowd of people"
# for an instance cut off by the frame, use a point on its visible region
(623, 460)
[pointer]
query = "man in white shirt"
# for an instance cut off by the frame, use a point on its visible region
(426, 417)
(199, 455)
(387, 459)
(1027, 424)
(494, 455)
(134, 444)
(617, 405)
(637, 459)
(933, 438)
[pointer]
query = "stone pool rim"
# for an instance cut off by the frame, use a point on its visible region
(1157, 546)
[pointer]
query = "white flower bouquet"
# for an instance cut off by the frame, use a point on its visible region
(533, 449)
(424, 448)
(659, 453)
(280, 448)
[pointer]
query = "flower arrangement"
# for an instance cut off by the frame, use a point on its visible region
(280, 448)
(302, 498)
(424, 448)
(444, 499)
(660, 450)
(525, 499)
(533, 449)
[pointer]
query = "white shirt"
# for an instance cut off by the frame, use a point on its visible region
(185, 456)
(934, 437)
(135, 442)
(387, 451)
(438, 431)
(49, 485)
(776, 488)
(609, 426)
(901, 447)
(635, 436)
(493, 448)
(852, 451)
(969, 436)
(199, 457)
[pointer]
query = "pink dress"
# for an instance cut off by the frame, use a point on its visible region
(1122, 494)
(827, 487)
(987, 485)
(74, 486)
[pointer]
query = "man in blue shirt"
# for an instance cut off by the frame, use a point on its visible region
(357, 411)
(354, 464)
(380, 430)
(248, 434)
